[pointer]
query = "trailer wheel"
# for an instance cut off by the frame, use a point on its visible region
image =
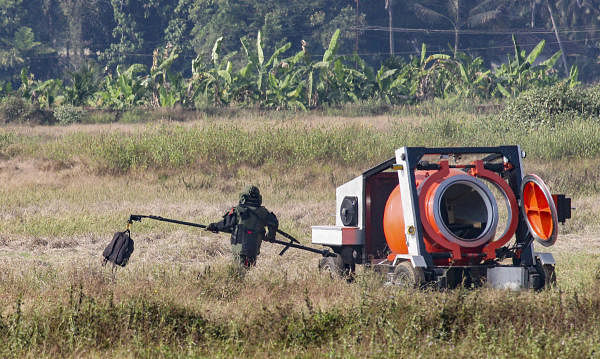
(547, 273)
(332, 265)
(407, 276)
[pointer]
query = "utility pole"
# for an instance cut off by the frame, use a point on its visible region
(356, 26)
(388, 7)
(562, 50)
(532, 14)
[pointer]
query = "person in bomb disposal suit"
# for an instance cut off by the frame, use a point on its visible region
(246, 222)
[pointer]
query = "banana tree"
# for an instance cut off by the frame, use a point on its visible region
(44, 93)
(84, 84)
(126, 89)
(262, 72)
(27, 84)
(48, 93)
(384, 81)
(428, 75)
(366, 84)
(213, 81)
(5, 88)
(167, 87)
(573, 79)
(336, 81)
(471, 78)
(393, 85)
(284, 92)
(519, 73)
(300, 66)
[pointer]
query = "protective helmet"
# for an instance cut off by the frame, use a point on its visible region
(251, 196)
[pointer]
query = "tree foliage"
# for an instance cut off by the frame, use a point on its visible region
(299, 54)
(287, 79)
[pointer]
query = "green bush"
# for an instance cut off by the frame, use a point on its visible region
(134, 116)
(551, 106)
(14, 109)
(6, 140)
(69, 114)
(99, 116)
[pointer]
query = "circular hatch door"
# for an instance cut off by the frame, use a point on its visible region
(539, 210)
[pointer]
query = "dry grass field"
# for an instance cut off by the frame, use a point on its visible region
(63, 195)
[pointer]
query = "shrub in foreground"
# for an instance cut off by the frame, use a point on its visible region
(69, 114)
(550, 106)
(561, 324)
(15, 109)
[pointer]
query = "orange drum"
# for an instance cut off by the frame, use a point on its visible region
(459, 213)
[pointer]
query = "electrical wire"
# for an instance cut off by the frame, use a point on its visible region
(386, 53)
(465, 49)
(473, 32)
(537, 31)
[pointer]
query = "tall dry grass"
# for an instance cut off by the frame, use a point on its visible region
(179, 296)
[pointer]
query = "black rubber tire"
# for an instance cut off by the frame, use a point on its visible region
(332, 265)
(407, 276)
(548, 274)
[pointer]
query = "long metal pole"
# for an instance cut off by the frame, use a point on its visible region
(562, 50)
(389, 9)
(293, 241)
(532, 14)
(138, 217)
(356, 33)
(323, 252)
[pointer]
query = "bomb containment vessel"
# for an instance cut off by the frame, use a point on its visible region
(446, 217)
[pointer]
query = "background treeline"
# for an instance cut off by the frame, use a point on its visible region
(193, 53)
(53, 37)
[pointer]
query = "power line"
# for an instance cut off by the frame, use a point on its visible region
(473, 32)
(416, 30)
(438, 50)
(466, 49)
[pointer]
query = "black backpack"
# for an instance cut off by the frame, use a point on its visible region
(119, 249)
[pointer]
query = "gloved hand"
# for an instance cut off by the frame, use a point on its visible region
(212, 227)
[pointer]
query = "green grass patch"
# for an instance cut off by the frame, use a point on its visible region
(171, 146)
(178, 297)
(387, 321)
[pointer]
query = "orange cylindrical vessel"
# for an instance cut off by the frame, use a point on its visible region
(393, 223)
(458, 212)
(394, 229)
(393, 218)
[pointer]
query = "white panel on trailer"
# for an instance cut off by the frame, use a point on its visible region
(337, 236)
(353, 188)
(512, 278)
